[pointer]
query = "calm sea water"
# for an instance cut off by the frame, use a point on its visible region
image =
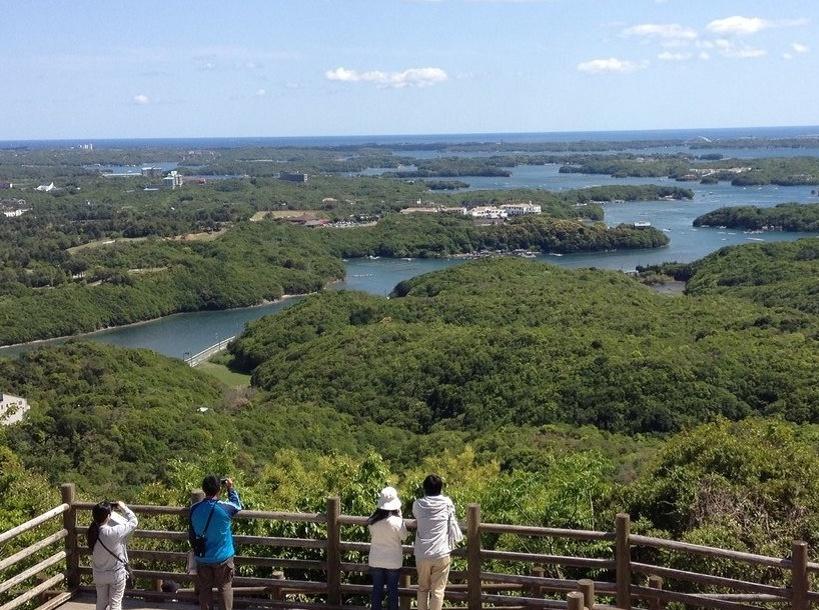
(456, 138)
(189, 333)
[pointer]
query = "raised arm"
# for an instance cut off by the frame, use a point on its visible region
(234, 504)
(121, 530)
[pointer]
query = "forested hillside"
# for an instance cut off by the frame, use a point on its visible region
(783, 274)
(550, 396)
(783, 217)
(512, 342)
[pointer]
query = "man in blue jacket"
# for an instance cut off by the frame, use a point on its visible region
(212, 540)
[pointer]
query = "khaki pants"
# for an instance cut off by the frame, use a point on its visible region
(219, 576)
(432, 578)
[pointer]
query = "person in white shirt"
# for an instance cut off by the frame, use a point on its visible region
(387, 531)
(109, 557)
(437, 535)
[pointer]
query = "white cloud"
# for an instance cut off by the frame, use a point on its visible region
(261, 92)
(664, 31)
(142, 99)
(737, 25)
(749, 25)
(412, 77)
(730, 49)
(669, 56)
(787, 56)
(611, 64)
(798, 47)
(704, 55)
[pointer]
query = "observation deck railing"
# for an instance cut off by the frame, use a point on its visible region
(329, 572)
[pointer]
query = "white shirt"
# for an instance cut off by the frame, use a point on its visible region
(108, 570)
(385, 543)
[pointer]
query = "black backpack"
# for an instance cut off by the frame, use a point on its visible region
(198, 542)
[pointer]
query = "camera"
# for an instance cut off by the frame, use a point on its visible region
(223, 480)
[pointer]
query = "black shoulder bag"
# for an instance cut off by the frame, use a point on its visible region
(129, 573)
(198, 541)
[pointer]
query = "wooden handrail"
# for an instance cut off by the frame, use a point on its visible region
(33, 592)
(674, 545)
(32, 523)
(481, 587)
(32, 571)
(30, 550)
(708, 579)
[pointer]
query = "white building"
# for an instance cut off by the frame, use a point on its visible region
(12, 409)
(489, 212)
(521, 209)
(15, 213)
(173, 180)
(46, 188)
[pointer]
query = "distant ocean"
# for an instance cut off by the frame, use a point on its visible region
(456, 138)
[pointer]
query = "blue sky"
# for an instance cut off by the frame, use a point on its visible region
(87, 69)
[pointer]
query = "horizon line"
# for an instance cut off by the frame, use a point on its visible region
(399, 135)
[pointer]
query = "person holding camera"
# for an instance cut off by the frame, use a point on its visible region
(109, 557)
(211, 538)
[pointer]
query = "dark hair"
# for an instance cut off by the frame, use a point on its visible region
(380, 513)
(99, 513)
(211, 485)
(433, 485)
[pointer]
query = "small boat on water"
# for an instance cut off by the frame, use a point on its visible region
(755, 238)
(555, 254)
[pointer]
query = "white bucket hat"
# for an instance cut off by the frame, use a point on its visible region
(388, 499)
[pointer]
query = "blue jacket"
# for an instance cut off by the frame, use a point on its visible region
(218, 537)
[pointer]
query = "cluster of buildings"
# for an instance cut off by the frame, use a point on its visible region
(507, 210)
(499, 212)
(12, 208)
(12, 409)
(697, 173)
(4, 186)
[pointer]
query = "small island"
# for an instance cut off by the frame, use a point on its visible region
(783, 217)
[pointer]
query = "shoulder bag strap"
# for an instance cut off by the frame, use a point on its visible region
(112, 553)
(207, 523)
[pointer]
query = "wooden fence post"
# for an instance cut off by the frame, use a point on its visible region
(535, 590)
(333, 552)
(72, 552)
(586, 587)
(405, 583)
(575, 600)
(799, 575)
(655, 582)
(622, 550)
(473, 556)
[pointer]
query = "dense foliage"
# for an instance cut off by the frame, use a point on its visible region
(782, 274)
(783, 217)
(512, 342)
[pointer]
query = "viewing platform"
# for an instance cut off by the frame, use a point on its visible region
(320, 562)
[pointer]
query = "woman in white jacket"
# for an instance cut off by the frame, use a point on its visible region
(387, 531)
(109, 557)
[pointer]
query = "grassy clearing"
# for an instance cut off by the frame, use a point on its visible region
(225, 375)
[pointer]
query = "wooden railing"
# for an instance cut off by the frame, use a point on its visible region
(328, 571)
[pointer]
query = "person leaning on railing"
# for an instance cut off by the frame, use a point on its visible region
(387, 531)
(109, 557)
(211, 538)
(437, 534)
